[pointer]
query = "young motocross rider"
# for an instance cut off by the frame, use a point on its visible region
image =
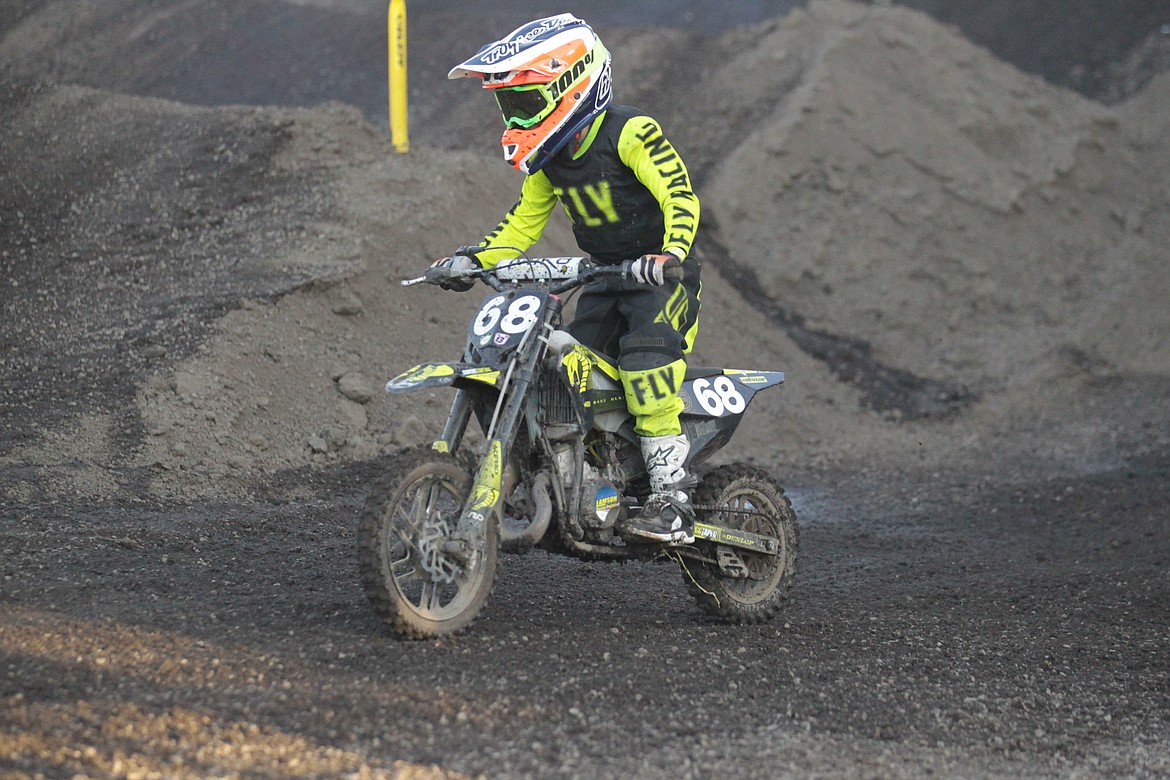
(629, 195)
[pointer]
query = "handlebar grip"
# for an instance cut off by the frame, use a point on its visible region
(437, 274)
(672, 272)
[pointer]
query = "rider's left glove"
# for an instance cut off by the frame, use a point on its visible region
(651, 269)
(457, 264)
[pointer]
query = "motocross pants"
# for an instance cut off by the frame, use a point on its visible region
(648, 331)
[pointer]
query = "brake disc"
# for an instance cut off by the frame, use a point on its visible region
(440, 566)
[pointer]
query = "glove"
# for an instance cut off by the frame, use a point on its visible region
(457, 264)
(650, 269)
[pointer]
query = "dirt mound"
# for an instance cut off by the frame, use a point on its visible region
(968, 227)
(152, 276)
(981, 228)
(1082, 46)
(931, 261)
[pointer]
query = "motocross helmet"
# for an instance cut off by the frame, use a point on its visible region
(550, 78)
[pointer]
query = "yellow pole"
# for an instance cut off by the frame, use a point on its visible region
(397, 56)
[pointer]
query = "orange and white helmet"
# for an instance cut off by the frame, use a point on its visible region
(551, 78)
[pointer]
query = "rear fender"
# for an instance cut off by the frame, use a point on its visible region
(714, 402)
(724, 392)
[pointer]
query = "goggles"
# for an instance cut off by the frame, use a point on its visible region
(525, 106)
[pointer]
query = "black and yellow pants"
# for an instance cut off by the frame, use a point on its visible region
(648, 331)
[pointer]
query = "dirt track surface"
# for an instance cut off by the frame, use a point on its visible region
(942, 628)
(964, 278)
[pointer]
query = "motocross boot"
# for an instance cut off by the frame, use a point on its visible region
(667, 515)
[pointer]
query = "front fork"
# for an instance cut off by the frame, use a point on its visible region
(457, 420)
(486, 499)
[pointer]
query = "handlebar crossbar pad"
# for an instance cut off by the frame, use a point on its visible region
(540, 268)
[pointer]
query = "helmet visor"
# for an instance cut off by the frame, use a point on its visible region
(524, 106)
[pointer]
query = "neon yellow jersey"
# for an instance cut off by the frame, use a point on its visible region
(626, 191)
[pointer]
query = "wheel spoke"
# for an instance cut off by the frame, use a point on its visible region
(404, 568)
(427, 600)
(436, 600)
(421, 506)
(404, 521)
(434, 493)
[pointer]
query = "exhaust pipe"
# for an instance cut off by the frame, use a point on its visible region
(522, 540)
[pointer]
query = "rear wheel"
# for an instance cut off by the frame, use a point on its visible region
(743, 498)
(414, 576)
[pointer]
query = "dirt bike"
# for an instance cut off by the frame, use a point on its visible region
(559, 467)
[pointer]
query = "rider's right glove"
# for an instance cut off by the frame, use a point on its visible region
(457, 264)
(650, 269)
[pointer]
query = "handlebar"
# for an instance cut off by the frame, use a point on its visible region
(563, 272)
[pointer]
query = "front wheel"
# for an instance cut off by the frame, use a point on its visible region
(744, 498)
(412, 577)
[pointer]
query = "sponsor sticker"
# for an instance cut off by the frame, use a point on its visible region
(606, 500)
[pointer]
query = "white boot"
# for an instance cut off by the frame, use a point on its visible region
(667, 515)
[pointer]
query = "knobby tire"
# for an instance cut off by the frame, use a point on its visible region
(764, 510)
(417, 500)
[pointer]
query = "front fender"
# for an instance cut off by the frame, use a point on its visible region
(441, 375)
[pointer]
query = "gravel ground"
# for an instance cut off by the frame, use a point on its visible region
(941, 626)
